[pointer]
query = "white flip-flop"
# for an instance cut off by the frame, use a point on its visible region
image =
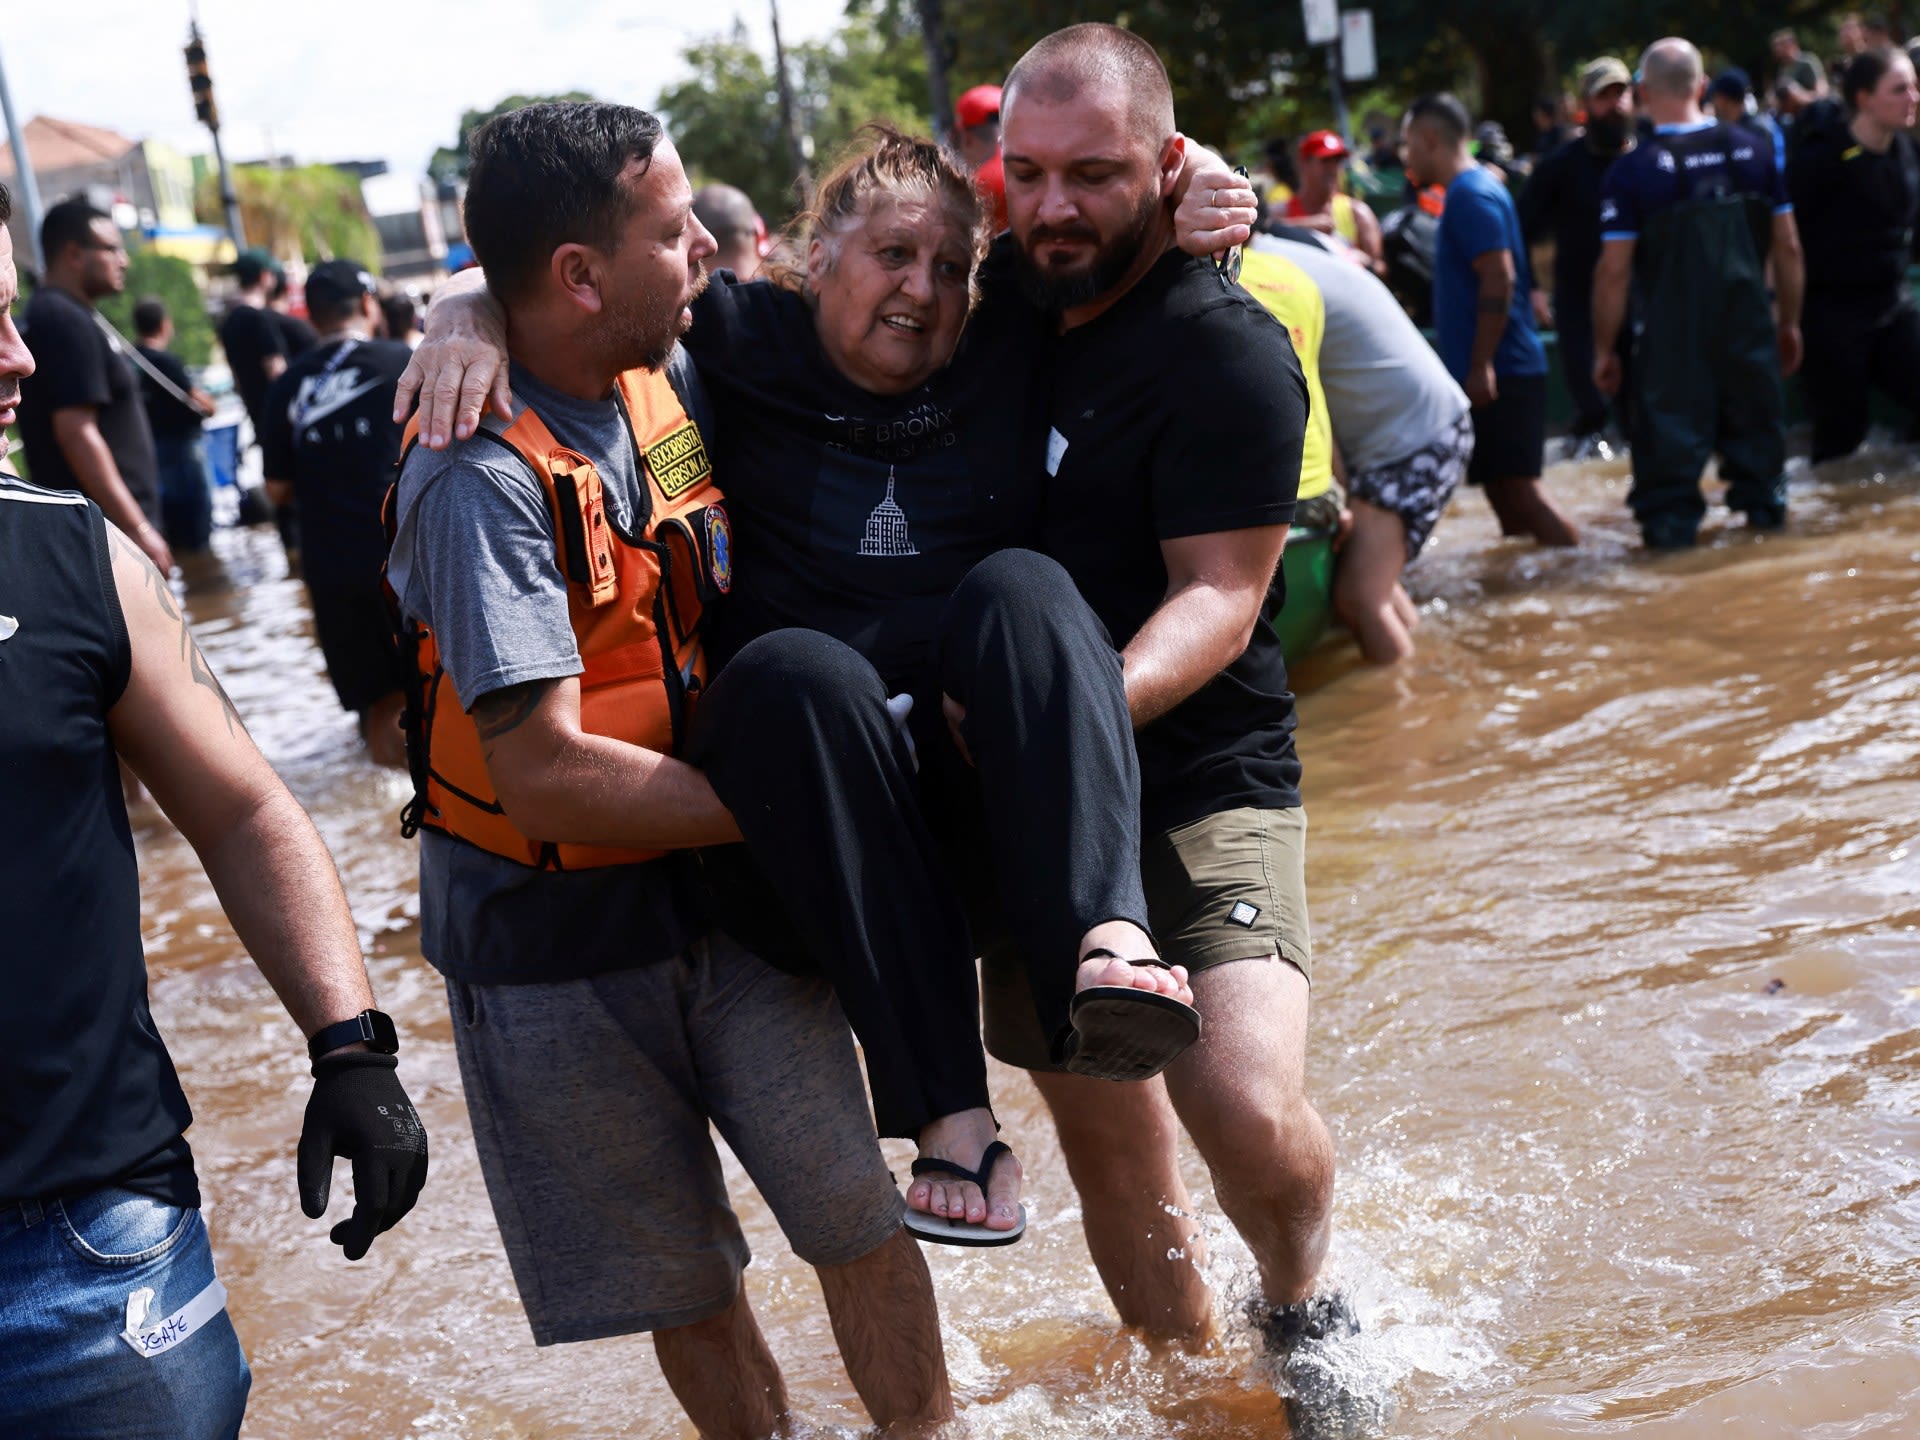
(941, 1229)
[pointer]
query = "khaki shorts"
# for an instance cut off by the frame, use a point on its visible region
(1230, 886)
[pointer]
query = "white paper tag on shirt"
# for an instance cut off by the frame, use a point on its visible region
(157, 1339)
(1056, 452)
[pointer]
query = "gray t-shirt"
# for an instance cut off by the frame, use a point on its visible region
(474, 559)
(1388, 393)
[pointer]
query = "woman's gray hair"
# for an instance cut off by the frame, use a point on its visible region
(881, 162)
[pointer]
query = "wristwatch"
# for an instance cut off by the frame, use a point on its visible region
(373, 1026)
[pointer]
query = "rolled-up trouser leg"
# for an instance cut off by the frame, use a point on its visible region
(1050, 737)
(795, 738)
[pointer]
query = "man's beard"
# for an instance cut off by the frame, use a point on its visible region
(1608, 134)
(1057, 291)
(642, 336)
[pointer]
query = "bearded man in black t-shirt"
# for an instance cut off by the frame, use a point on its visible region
(329, 446)
(1171, 520)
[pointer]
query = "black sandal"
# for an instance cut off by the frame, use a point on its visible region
(946, 1231)
(1120, 1033)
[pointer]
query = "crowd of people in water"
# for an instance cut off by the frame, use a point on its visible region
(861, 632)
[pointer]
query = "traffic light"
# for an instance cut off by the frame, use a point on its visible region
(201, 81)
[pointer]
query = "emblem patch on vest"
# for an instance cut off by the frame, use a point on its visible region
(719, 549)
(679, 462)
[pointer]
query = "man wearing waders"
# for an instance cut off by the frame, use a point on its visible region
(1691, 217)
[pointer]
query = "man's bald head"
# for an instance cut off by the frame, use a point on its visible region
(728, 213)
(1671, 69)
(1098, 60)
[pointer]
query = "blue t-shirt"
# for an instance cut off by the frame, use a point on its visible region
(1656, 176)
(1480, 217)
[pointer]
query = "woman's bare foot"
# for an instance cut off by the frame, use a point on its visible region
(963, 1138)
(1129, 942)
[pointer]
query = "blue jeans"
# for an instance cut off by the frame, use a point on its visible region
(186, 496)
(77, 1278)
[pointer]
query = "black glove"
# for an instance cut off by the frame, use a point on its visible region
(358, 1109)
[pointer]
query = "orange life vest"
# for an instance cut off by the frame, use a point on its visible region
(635, 598)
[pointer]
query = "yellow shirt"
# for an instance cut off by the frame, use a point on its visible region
(1345, 224)
(1294, 300)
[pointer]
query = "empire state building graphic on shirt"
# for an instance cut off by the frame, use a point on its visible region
(886, 532)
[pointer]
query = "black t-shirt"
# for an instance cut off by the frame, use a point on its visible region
(327, 426)
(296, 335)
(1856, 210)
(1562, 202)
(1181, 412)
(168, 418)
(857, 514)
(88, 1097)
(77, 363)
(252, 336)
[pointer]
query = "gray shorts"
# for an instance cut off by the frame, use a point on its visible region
(1227, 887)
(591, 1100)
(1417, 487)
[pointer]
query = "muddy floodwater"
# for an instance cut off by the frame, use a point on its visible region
(1617, 1026)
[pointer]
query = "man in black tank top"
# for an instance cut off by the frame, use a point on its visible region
(115, 1319)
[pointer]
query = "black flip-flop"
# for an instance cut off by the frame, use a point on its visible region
(1120, 1033)
(943, 1230)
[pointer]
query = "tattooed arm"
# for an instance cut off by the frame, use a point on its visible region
(558, 782)
(178, 730)
(1497, 277)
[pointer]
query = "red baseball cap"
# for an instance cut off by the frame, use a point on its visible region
(1322, 145)
(977, 106)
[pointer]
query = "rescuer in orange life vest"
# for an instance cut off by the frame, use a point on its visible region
(551, 572)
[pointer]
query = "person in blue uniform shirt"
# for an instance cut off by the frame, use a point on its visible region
(1690, 220)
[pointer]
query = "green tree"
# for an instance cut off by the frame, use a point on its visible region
(725, 121)
(1224, 58)
(449, 163)
(169, 279)
(725, 116)
(314, 211)
(864, 72)
(1239, 67)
